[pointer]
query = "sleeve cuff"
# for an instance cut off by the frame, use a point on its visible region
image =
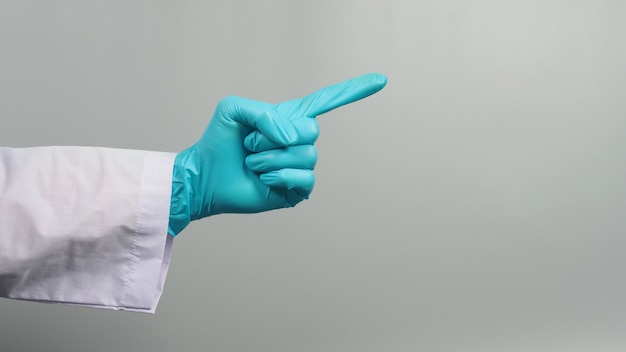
(152, 245)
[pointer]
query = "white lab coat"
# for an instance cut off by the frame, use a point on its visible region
(85, 226)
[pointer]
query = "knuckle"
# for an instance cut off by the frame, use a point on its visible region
(309, 152)
(228, 106)
(306, 179)
(228, 101)
(311, 179)
(310, 130)
(309, 182)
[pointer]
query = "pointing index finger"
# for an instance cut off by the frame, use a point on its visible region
(334, 96)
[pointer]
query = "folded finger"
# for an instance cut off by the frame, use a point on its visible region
(296, 157)
(290, 179)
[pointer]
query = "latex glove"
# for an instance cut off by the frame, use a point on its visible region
(255, 156)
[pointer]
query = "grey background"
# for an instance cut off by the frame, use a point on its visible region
(475, 204)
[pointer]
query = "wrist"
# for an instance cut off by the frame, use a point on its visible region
(180, 210)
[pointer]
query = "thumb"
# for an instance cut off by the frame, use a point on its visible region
(260, 116)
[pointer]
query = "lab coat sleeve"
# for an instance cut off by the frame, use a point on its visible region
(85, 226)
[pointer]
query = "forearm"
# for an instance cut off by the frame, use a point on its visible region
(84, 225)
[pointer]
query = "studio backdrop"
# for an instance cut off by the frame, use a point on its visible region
(477, 203)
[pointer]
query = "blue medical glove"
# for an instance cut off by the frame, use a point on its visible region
(256, 156)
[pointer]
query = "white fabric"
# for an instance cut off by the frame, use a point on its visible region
(85, 226)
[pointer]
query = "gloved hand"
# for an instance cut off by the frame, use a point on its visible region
(256, 156)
